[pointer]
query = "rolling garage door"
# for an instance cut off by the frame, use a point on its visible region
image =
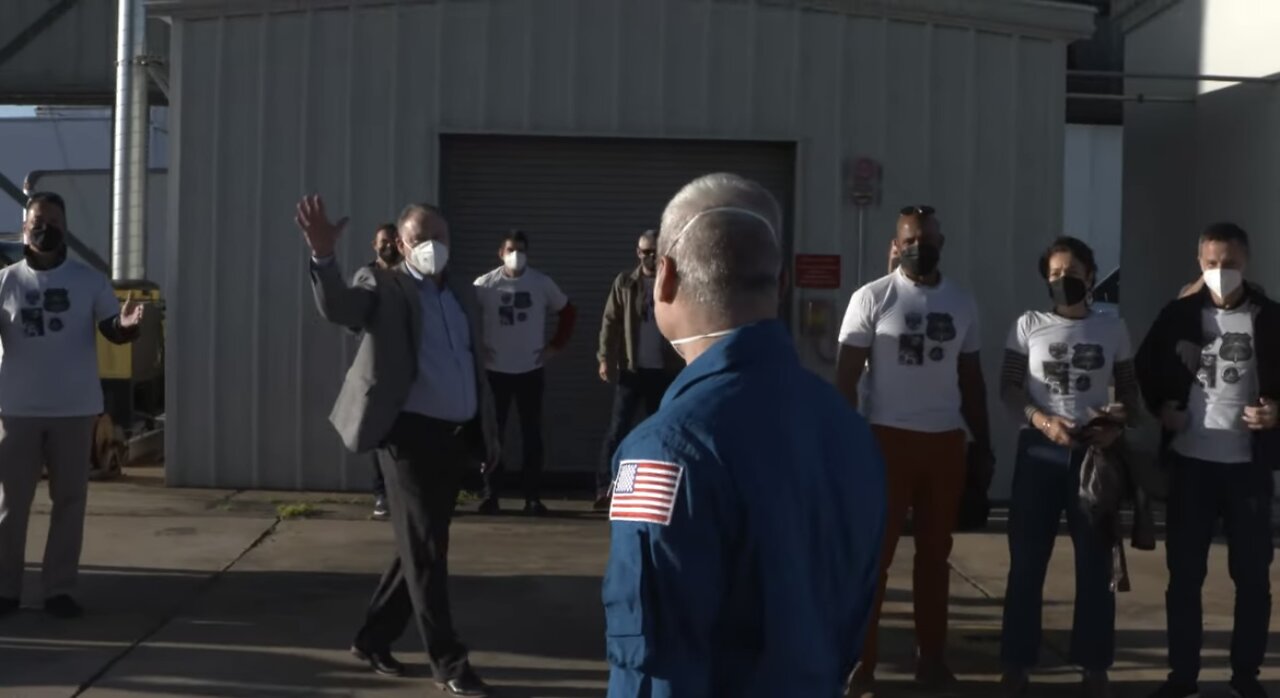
(583, 203)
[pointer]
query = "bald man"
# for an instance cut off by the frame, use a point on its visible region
(918, 334)
(747, 513)
(416, 393)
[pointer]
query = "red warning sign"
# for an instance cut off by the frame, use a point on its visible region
(820, 271)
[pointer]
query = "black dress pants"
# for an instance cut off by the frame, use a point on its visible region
(423, 461)
(525, 390)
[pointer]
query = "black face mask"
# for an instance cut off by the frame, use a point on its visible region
(389, 255)
(649, 262)
(1068, 291)
(920, 259)
(47, 238)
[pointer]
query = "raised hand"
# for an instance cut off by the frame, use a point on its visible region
(313, 221)
(131, 313)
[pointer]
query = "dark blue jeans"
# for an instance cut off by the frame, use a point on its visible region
(379, 483)
(636, 389)
(1199, 494)
(1045, 482)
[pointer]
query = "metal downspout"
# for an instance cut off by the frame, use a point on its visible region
(129, 156)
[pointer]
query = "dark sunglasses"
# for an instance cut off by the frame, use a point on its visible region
(916, 211)
(647, 253)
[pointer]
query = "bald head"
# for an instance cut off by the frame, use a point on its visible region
(721, 234)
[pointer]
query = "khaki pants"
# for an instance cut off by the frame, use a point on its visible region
(925, 473)
(26, 444)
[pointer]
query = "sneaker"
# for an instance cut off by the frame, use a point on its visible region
(1173, 690)
(535, 508)
(381, 512)
(1015, 684)
(490, 506)
(1247, 688)
(63, 606)
(8, 606)
(1096, 684)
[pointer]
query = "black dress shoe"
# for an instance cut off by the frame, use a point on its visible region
(380, 661)
(466, 685)
(8, 606)
(63, 606)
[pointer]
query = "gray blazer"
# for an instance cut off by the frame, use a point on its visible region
(386, 307)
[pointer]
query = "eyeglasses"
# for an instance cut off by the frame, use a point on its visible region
(647, 253)
(916, 211)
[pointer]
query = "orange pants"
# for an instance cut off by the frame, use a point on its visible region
(925, 473)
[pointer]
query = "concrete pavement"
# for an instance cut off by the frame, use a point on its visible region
(208, 593)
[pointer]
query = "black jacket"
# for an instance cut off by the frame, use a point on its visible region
(1164, 377)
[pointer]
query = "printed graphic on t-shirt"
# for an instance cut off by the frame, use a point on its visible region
(53, 301)
(513, 307)
(56, 300)
(938, 327)
(33, 322)
(1234, 349)
(1089, 358)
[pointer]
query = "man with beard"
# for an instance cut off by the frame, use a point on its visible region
(918, 334)
(387, 256)
(632, 350)
(51, 307)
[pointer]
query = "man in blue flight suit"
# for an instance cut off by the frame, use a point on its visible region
(747, 512)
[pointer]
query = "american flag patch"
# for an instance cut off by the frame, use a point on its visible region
(645, 492)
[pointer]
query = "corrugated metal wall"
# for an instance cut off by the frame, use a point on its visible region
(352, 104)
(583, 203)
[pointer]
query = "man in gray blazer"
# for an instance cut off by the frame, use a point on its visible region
(417, 393)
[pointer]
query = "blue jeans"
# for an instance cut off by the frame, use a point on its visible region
(1045, 482)
(1200, 493)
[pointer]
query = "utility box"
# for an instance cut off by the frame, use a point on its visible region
(133, 374)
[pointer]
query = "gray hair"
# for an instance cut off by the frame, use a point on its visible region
(723, 232)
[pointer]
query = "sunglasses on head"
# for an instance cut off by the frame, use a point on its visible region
(916, 211)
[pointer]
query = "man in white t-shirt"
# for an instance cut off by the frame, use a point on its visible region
(918, 334)
(515, 300)
(51, 308)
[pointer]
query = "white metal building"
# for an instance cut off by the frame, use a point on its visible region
(575, 120)
(1213, 156)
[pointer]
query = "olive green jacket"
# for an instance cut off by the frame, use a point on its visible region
(620, 328)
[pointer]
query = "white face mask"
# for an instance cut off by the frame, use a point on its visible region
(677, 343)
(429, 257)
(1223, 282)
(515, 261)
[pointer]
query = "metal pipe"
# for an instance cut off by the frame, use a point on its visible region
(129, 156)
(1139, 98)
(1183, 77)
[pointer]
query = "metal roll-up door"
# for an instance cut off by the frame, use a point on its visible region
(583, 203)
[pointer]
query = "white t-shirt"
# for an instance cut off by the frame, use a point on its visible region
(916, 334)
(49, 326)
(1228, 383)
(649, 344)
(1071, 363)
(515, 318)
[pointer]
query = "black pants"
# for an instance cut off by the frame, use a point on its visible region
(1199, 494)
(423, 461)
(635, 388)
(525, 389)
(379, 482)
